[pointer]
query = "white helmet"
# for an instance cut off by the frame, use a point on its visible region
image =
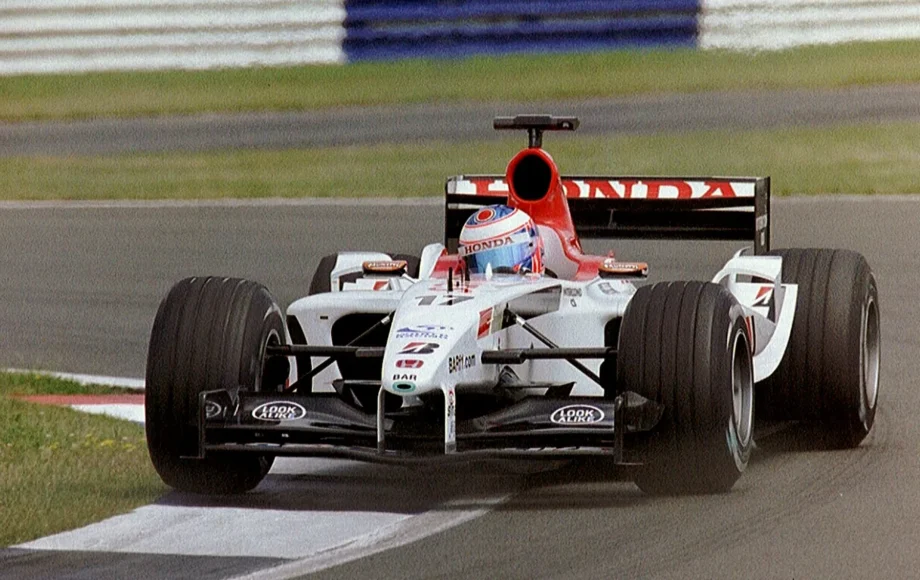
(503, 237)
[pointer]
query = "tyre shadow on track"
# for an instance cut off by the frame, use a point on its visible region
(595, 483)
(347, 486)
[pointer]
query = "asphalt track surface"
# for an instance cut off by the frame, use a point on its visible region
(388, 124)
(80, 287)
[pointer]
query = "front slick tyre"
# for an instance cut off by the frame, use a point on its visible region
(209, 334)
(685, 345)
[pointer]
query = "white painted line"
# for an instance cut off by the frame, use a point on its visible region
(313, 538)
(124, 382)
(400, 533)
(128, 412)
(215, 531)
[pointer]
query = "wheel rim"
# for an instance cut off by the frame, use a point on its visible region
(742, 389)
(869, 360)
(273, 339)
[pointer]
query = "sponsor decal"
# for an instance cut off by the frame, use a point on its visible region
(620, 188)
(496, 322)
(433, 300)
(430, 331)
(572, 292)
(419, 348)
(475, 247)
(409, 363)
(484, 215)
(399, 377)
(212, 410)
(460, 362)
(451, 416)
(385, 266)
(764, 294)
(278, 411)
(404, 387)
(611, 266)
(577, 415)
(367, 284)
(485, 322)
(489, 323)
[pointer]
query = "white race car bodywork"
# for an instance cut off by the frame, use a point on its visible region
(396, 358)
(437, 336)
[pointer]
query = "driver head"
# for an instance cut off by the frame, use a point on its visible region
(503, 237)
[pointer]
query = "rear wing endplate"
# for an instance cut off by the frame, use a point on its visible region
(695, 208)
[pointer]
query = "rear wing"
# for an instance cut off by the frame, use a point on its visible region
(693, 208)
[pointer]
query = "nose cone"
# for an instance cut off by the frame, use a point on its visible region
(415, 354)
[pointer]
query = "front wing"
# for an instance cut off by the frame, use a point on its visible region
(325, 425)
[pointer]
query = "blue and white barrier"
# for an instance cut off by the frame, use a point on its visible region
(778, 24)
(49, 36)
(443, 28)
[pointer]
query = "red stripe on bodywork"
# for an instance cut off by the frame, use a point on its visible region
(485, 322)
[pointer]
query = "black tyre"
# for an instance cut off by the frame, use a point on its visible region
(322, 281)
(685, 345)
(829, 375)
(209, 333)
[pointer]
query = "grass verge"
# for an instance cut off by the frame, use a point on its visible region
(61, 469)
(535, 78)
(874, 158)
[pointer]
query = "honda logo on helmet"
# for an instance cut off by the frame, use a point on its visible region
(474, 247)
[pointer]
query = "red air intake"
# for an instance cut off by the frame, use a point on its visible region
(536, 188)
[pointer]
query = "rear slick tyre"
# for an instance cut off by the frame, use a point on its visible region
(209, 334)
(829, 376)
(685, 345)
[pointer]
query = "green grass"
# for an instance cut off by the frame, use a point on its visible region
(61, 469)
(511, 78)
(29, 383)
(876, 158)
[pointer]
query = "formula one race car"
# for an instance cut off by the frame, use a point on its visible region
(452, 355)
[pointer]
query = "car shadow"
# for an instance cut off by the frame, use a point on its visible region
(348, 486)
(337, 485)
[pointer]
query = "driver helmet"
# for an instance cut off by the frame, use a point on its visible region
(503, 237)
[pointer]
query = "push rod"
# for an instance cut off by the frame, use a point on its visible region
(545, 340)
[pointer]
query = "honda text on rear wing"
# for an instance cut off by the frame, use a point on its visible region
(678, 208)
